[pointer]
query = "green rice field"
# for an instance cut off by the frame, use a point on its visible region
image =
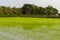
(20, 28)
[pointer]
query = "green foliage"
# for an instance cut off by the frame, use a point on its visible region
(9, 12)
(28, 10)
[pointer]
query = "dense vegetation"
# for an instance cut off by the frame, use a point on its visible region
(29, 10)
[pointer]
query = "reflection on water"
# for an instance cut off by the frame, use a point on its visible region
(38, 33)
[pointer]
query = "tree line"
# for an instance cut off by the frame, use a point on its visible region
(29, 10)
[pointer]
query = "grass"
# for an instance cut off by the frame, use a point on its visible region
(29, 28)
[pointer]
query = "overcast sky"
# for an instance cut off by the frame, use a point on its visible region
(19, 3)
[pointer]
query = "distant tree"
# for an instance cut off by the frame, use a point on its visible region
(50, 10)
(26, 9)
(30, 10)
